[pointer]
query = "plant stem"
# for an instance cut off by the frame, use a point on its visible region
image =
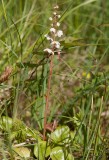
(47, 96)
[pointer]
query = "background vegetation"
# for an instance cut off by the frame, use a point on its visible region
(79, 95)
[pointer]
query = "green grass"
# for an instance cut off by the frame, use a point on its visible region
(79, 86)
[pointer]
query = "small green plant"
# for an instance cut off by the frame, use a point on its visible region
(57, 145)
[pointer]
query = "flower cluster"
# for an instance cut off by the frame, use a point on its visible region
(54, 33)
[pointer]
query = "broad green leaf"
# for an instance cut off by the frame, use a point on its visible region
(57, 154)
(70, 157)
(23, 152)
(61, 135)
(41, 150)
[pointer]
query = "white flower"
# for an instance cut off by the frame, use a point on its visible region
(49, 39)
(59, 16)
(48, 51)
(53, 30)
(56, 44)
(54, 13)
(58, 24)
(45, 35)
(59, 33)
(50, 18)
(56, 7)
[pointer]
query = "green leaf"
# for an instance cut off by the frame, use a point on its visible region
(57, 153)
(23, 152)
(41, 150)
(70, 157)
(61, 135)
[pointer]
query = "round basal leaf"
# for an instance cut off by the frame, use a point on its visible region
(61, 135)
(41, 150)
(70, 157)
(23, 152)
(57, 154)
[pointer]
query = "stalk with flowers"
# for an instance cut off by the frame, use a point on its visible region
(54, 48)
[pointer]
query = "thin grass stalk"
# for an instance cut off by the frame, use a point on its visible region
(98, 128)
(90, 117)
(93, 134)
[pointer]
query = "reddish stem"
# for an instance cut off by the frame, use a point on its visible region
(47, 96)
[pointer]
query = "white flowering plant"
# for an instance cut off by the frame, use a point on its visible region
(54, 34)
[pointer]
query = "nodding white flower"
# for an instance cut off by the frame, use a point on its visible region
(53, 30)
(49, 38)
(50, 18)
(45, 35)
(58, 24)
(59, 33)
(59, 16)
(54, 13)
(56, 44)
(56, 7)
(48, 51)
